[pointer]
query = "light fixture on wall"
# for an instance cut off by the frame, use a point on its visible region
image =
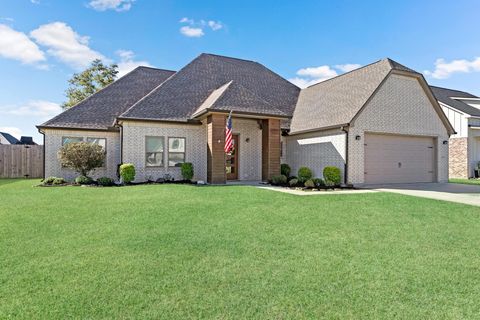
(247, 140)
(358, 137)
(219, 141)
(445, 141)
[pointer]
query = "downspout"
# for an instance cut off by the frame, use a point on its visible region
(44, 154)
(346, 155)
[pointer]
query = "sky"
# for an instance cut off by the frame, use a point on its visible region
(44, 42)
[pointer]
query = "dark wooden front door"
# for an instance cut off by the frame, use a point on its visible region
(231, 164)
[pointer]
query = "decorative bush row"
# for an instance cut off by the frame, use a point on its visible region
(332, 177)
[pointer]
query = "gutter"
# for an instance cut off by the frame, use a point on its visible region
(345, 129)
(44, 153)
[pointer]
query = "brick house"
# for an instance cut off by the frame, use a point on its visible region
(463, 111)
(379, 124)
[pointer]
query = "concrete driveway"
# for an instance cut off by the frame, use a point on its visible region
(461, 193)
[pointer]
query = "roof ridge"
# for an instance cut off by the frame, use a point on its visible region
(346, 73)
(228, 57)
(147, 67)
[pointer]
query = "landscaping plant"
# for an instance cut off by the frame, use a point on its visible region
(332, 176)
(127, 172)
(82, 157)
(279, 180)
(285, 169)
(83, 180)
(187, 170)
(105, 181)
(304, 174)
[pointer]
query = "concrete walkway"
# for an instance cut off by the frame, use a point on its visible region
(453, 192)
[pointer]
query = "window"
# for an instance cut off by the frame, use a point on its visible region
(100, 141)
(176, 151)
(66, 140)
(154, 151)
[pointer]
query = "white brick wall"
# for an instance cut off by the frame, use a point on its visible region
(400, 107)
(53, 142)
(134, 133)
(316, 150)
(250, 156)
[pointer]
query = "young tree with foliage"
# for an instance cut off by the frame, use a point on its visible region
(89, 81)
(82, 157)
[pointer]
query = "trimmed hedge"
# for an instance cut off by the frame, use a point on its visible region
(187, 170)
(332, 176)
(127, 172)
(304, 174)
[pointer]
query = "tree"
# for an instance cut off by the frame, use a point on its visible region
(82, 157)
(89, 81)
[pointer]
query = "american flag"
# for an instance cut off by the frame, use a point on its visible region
(228, 134)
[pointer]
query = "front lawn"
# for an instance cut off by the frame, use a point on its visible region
(187, 252)
(465, 181)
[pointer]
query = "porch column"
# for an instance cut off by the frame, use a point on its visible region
(216, 142)
(270, 148)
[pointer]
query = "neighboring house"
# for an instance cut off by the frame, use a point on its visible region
(7, 138)
(379, 124)
(463, 111)
(26, 141)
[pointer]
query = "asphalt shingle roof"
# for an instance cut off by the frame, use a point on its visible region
(445, 95)
(253, 89)
(100, 110)
(336, 101)
(11, 139)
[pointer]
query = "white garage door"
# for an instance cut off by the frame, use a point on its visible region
(398, 159)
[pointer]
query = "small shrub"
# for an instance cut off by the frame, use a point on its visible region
(292, 177)
(83, 180)
(187, 170)
(332, 176)
(105, 181)
(318, 182)
(293, 182)
(58, 181)
(285, 169)
(127, 172)
(279, 180)
(49, 180)
(304, 174)
(309, 184)
(82, 157)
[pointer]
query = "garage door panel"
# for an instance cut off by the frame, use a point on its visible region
(398, 159)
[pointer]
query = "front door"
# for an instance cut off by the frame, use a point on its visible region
(231, 163)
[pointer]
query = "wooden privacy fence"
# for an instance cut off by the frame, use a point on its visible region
(21, 161)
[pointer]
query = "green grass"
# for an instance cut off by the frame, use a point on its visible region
(185, 252)
(465, 181)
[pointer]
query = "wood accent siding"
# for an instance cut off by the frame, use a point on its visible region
(215, 144)
(270, 148)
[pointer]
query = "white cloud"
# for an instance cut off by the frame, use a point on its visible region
(35, 1)
(192, 32)
(65, 44)
(215, 25)
(117, 5)
(445, 69)
(347, 67)
(196, 29)
(16, 45)
(33, 108)
(127, 62)
(323, 72)
(313, 75)
(14, 131)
